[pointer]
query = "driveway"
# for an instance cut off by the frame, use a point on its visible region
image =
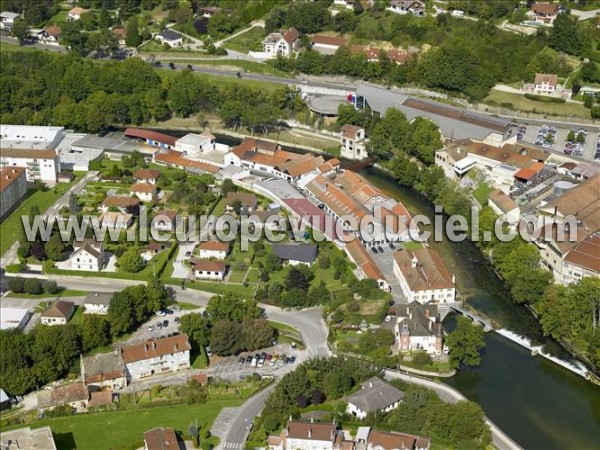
(385, 263)
(180, 270)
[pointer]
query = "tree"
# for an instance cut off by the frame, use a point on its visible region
(296, 279)
(230, 307)
(16, 285)
(33, 286)
(256, 333)
(465, 343)
(595, 112)
(344, 22)
(55, 248)
(133, 38)
(227, 186)
(564, 36)
(95, 332)
(196, 327)
(422, 359)
(225, 337)
(20, 30)
(529, 286)
(131, 261)
(588, 101)
(50, 287)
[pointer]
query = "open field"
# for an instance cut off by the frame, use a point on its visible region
(9, 229)
(230, 64)
(250, 40)
(224, 80)
(520, 103)
(122, 429)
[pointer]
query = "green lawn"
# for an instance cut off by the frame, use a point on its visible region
(520, 103)
(199, 359)
(122, 429)
(219, 208)
(250, 40)
(482, 193)
(232, 64)
(6, 47)
(412, 246)
(77, 317)
(217, 287)
(9, 229)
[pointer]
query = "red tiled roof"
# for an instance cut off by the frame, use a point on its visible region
(53, 31)
(141, 133)
(328, 40)
(153, 348)
(161, 439)
(211, 266)
(545, 8)
(146, 174)
(291, 35)
(586, 254)
(429, 273)
(121, 201)
(29, 154)
(214, 246)
(8, 175)
(350, 131)
(551, 79)
(143, 187)
(175, 159)
(311, 431)
(100, 398)
(502, 201)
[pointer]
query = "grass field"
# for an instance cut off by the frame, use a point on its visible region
(122, 429)
(231, 64)
(6, 47)
(224, 80)
(9, 229)
(250, 40)
(412, 246)
(482, 193)
(520, 103)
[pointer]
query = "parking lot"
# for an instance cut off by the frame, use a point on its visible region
(557, 140)
(385, 262)
(151, 329)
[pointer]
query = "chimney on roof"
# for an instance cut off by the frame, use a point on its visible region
(175, 347)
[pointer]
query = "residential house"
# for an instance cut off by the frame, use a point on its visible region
(26, 438)
(247, 201)
(208, 11)
(346, 4)
(193, 144)
(375, 395)
(154, 248)
(116, 220)
(414, 7)
(58, 313)
(418, 327)
(545, 83)
(423, 276)
(209, 270)
(76, 13)
(544, 13)
(13, 188)
(505, 206)
(327, 45)
(167, 354)
(102, 397)
(88, 255)
(121, 203)
(105, 370)
(165, 220)
(75, 395)
(285, 43)
(146, 176)
(144, 191)
(97, 302)
(121, 34)
(294, 254)
(307, 435)
(51, 35)
(392, 440)
(43, 165)
(169, 37)
(7, 20)
(161, 439)
(213, 249)
(176, 159)
(271, 220)
(353, 142)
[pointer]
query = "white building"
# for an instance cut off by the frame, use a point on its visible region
(43, 165)
(192, 144)
(146, 176)
(58, 313)
(415, 7)
(155, 356)
(213, 249)
(31, 137)
(165, 220)
(545, 83)
(88, 256)
(327, 45)
(76, 13)
(7, 20)
(305, 436)
(13, 188)
(26, 438)
(105, 370)
(14, 318)
(144, 191)
(283, 44)
(97, 302)
(116, 220)
(418, 328)
(505, 206)
(544, 13)
(375, 395)
(352, 140)
(423, 276)
(347, 4)
(169, 37)
(209, 270)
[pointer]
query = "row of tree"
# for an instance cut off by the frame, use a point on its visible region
(229, 325)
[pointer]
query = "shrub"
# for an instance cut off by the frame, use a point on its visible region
(33, 286)
(422, 359)
(50, 287)
(17, 285)
(544, 99)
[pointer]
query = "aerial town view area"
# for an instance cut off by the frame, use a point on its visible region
(300, 224)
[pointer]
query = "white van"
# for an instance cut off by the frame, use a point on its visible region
(458, 13)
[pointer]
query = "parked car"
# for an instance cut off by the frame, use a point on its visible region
(261, 362)
(151, 328)
(293, 345)
(248, 359)
(161, 313)
(254, 362)
(380, 249)
(241, 361)
(374, 250)
(177, 320)
(165, 323)
(292, 360)
(268, 357)
(392, 246)
(208, 351)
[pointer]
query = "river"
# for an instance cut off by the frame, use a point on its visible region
(536, 402)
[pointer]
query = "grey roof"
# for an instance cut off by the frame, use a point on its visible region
(170, 35)
(98, 298)
(375, 395)
(456, 123)
(414, 318)
(296, 252)
(104, 365)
